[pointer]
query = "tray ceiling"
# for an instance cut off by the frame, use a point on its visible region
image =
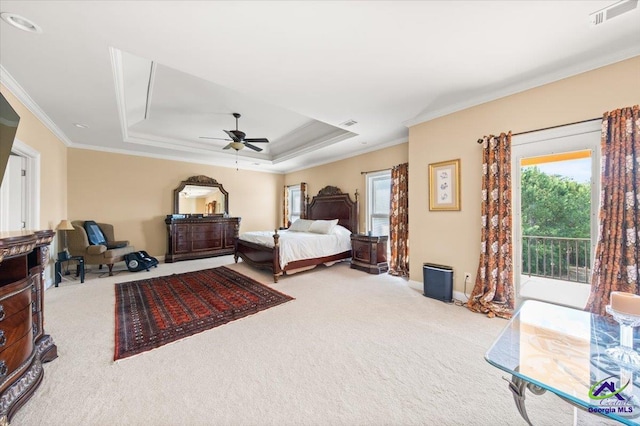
(296, 71)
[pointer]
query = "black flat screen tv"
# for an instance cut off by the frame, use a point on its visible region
(9, 120)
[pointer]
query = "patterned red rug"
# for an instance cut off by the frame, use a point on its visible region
(156, 311)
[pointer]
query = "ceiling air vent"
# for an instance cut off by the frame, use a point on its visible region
(350, 123)
(612, 11)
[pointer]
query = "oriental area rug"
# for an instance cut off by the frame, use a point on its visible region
(156, 311)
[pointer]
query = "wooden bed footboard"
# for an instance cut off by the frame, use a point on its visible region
(268, 258)
(259, 256)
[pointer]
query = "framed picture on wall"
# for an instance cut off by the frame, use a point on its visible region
(444, 185)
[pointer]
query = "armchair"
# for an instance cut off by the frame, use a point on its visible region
(78, 242)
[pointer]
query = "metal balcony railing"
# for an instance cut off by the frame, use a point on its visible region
(567, 259)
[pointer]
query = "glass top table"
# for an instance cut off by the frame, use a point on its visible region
(547, 347)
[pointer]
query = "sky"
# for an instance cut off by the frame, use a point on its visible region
(578, 170)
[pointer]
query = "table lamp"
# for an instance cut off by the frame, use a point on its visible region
(64, 226)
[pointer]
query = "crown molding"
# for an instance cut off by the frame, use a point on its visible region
(349, 155)
(321, 142)
(188, 146)
(14, 87)
(118, 83)
(229, 163)
(547, 78)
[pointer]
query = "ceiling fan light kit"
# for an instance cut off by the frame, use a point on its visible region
(238, 138)
(236, 145)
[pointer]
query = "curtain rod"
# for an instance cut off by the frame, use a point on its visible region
(374, 171)
(551, 127)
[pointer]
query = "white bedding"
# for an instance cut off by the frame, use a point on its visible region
(302, 245)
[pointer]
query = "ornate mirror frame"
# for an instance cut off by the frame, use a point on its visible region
(200, 180)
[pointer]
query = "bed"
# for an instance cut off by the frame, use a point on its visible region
(330, 204)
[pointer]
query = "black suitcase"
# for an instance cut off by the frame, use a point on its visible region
(139, 260)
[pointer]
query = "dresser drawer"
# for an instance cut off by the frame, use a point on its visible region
(13, 356)
(15, 327)
(15, 302)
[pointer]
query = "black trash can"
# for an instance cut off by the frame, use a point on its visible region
(438, 281)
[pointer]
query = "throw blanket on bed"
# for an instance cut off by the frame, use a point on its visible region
(303, 245)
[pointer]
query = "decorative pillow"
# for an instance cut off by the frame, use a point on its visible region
(323, 226)
(300, 225)
(94, 233)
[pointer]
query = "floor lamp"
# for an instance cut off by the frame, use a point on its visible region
(64, 226)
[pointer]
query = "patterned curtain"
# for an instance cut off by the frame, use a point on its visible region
(285, 207)
(493, 293)
(616, 259)
(399, 221)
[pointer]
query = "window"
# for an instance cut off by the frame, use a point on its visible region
(294, 195)
(378, 202)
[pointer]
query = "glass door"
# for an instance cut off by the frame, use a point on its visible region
(556, 181)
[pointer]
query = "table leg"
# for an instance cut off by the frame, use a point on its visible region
(518, 387)
(58, 273)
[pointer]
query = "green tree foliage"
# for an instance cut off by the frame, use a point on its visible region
(557, 207)
(554, 206)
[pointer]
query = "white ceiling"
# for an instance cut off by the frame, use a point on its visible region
(295, 70)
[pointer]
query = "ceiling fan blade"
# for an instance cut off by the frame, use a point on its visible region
(257, 140)
(227, 147)
(232, 136)
(253, 147)
(219, 139)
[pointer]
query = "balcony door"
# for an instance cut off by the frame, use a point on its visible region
(556, 185)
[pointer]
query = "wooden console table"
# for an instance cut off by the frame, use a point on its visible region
(198, 237)
(24, 345)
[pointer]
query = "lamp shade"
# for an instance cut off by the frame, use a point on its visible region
(64, 225)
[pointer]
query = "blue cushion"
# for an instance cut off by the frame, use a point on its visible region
(94, 234)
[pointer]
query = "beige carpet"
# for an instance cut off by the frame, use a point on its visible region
(352, 349)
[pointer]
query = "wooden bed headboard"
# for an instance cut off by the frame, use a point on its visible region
(332, 203)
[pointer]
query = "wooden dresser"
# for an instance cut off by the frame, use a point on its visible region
(24, 346)
(198, 237)
(369, 253)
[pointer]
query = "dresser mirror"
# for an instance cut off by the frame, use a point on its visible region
(200, 195)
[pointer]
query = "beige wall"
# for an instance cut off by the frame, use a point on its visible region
(453, 238)
(346, 174)
(53, 163)
(129, 192)
(136, 193)
(53, 169)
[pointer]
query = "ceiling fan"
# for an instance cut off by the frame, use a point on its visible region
(238, 139)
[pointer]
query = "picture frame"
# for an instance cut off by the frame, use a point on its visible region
(444, 186)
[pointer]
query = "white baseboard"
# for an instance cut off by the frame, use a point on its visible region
(457, 295)
(415, 285)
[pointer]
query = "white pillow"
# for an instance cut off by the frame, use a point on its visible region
(323, 226)
(341, 231)
(300, 225)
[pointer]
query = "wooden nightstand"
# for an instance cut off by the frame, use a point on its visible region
(369, 253)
